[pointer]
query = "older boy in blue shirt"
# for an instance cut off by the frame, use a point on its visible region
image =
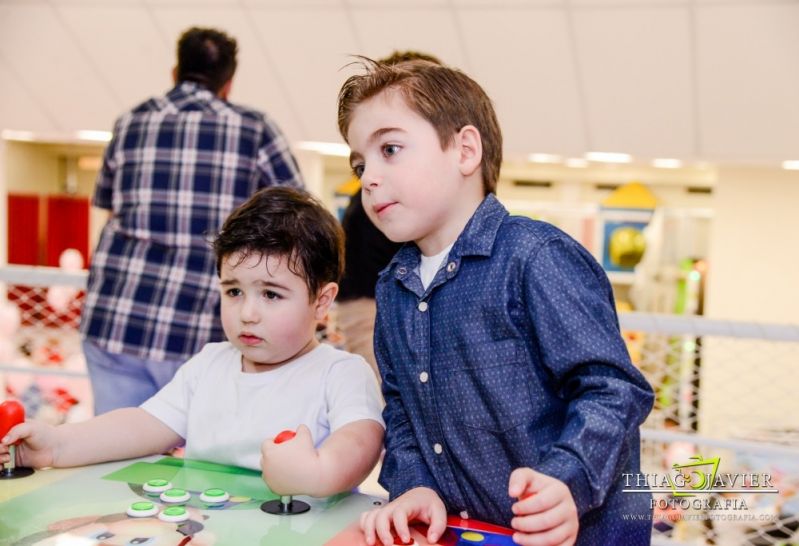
(510, 396)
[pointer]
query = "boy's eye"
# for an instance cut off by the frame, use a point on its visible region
(233, 292)
(357, 170)
(390, 149)
(271, 295)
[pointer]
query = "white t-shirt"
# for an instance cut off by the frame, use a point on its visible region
(430, 265)
(225, 414)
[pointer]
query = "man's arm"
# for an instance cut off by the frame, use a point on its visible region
(570, 305)
(103, 187)
(276, 164)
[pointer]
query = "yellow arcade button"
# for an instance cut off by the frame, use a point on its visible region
(471, 536)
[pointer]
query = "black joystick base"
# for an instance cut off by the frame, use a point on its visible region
(285, 506)
(16, 472)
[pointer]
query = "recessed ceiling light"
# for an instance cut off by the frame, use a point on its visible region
(26, 136)
(96, 136)
(663, 163)
(608, 157)
(576, 162)
(791, 165)
(544, 158)
(326, 148)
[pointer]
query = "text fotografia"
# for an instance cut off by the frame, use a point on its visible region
(700, 476)
(706, 504)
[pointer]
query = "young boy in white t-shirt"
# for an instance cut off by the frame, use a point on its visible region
(279, 257)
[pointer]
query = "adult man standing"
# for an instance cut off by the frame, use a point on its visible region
(174, 169)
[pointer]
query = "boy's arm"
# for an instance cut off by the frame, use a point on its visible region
(348, 455)
(120, 434)
(570, 304)
(345, 458)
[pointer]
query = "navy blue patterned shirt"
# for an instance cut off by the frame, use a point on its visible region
(176, 166)
(511, 357)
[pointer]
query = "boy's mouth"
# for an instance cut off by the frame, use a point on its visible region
(249, 339)
(381, 207)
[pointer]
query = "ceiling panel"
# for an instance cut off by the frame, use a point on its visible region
(749, 89)
(428, 31)
(743, 2)
(310, 48)
(18, 109)
(199, 4)
(293, 4)
(396, 5)
(637, 80)
(257, 82)
(110, 33)
(41, 51)
(714, 79)
(524, 61)
(508, 4)
(624, 4)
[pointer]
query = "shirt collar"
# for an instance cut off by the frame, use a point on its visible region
(476, 239)
(188, 87)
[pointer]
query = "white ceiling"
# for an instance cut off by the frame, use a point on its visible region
(714, 80)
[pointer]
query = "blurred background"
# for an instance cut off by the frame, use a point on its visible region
(661, 134)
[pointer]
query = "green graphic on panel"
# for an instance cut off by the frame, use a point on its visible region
(108, 504)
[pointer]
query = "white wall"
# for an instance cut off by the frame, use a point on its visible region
(754, 246)
(749, 385)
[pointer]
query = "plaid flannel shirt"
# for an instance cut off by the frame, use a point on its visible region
(175, 168)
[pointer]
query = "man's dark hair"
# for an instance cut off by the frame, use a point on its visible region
(206, 56)
(285, 222)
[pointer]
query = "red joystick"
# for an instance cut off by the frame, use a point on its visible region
(12, 414)
(286, 505)
(284, 436)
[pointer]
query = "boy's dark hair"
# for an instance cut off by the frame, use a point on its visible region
(206, 56)
(444, 96)
(286, 222)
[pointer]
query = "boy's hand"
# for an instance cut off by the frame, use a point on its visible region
(291, 467)
(37, 447)
(421, 503)
(545, 514)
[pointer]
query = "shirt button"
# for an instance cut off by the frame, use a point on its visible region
(438, 448)
(422, 306)
(423, 377)
(464, 514)
(451, 267)
(401, 271)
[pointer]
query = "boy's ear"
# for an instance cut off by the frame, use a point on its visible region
(324, 299)
(470, 148)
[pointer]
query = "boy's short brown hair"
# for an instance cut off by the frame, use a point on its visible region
(444, 96)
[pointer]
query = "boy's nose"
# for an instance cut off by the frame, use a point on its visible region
(249, 313)
(370, 179)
